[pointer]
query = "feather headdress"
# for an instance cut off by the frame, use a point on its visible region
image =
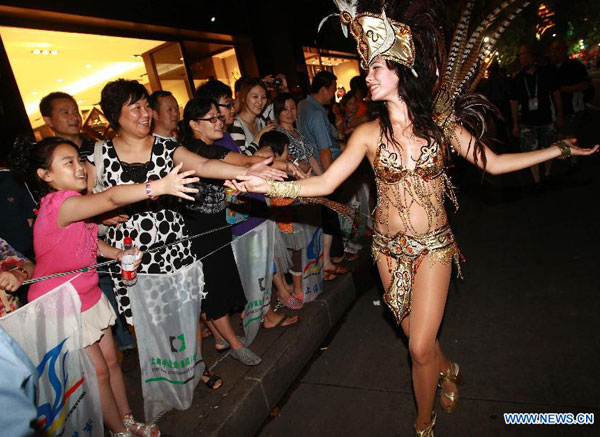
(467, 60)
(376, 35)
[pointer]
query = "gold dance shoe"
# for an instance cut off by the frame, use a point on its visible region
(428, 431)
(449, 399)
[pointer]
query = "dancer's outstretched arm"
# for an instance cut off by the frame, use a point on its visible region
(326, 183)
(505, 163)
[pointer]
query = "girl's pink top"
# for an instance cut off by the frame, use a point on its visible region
(63, 249)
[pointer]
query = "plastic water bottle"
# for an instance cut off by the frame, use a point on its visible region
(128, 272)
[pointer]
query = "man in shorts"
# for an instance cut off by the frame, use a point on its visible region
(535, 90)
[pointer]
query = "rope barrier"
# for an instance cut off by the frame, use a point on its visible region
(327, 203)
(114, 261)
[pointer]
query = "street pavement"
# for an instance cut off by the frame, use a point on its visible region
(523, 324)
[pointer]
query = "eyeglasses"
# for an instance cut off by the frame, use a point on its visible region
(228, 105)
(213, 119)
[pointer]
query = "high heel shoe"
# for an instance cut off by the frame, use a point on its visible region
(452, 376)
(428, 430)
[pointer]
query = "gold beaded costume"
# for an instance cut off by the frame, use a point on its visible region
(412, 201)
(412, 195)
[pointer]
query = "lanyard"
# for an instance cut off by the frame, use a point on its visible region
(527, 86)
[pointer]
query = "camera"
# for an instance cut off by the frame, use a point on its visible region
(277, 82)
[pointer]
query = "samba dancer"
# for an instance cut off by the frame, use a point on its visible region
(420, 118)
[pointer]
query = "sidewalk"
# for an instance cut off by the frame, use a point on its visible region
(250, 393)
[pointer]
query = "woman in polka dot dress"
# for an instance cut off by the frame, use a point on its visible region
(136, 156)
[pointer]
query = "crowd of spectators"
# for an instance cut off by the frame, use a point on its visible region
(149, 142)
(543, 101)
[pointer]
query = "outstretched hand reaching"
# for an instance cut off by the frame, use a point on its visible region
(175, 184)
(248, 184)
(262, 170)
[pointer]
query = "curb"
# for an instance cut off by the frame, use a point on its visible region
(253, 398)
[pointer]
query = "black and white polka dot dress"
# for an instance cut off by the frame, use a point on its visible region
(151, 223)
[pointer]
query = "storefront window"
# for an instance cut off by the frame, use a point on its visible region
(212, 61)
(78, 64)
(344, 65)
(167, 63)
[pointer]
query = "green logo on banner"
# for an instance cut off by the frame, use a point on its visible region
(175, 343)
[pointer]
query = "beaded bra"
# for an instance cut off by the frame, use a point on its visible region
(409, 190)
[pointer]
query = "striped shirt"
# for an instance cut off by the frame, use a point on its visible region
(243, 137)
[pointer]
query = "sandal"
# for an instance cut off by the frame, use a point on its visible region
(213, 380)
(291, 302)
(329, 275)
(283, 322)
(339, 270)
(129, 421)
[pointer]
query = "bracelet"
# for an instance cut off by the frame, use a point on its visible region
(565, 149)
(283, 189)
(149, 191)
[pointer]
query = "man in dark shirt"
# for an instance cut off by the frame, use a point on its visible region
(573, 78)
(17, 206)
(534, 91)
(574, 81)
(61, 114)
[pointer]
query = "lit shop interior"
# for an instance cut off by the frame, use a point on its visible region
(344, 65)
(81, 64)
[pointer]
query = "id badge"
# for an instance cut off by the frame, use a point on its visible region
(533, 104)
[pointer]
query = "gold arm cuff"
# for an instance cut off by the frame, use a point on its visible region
(565, 149)
(283, 189)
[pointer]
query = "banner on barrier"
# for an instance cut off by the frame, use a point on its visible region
(68, 399)
(254, 258)
(312, 267)
(166, 313)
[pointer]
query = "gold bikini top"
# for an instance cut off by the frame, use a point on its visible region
(388, 169)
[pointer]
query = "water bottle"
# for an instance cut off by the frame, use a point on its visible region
(128, 272)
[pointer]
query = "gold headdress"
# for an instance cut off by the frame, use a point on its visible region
(377, 36)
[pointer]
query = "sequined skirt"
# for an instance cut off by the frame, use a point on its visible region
(409, 252)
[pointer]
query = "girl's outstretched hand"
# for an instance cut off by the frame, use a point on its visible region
(11, 281)
(579, 151)
(175, 184)
(248, 184)
(262, 170)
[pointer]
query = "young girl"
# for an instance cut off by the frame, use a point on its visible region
(65, 239)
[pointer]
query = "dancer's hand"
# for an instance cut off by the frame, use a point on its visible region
(579, 151)
(175, 184)
(262, 170)
(248, 184)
